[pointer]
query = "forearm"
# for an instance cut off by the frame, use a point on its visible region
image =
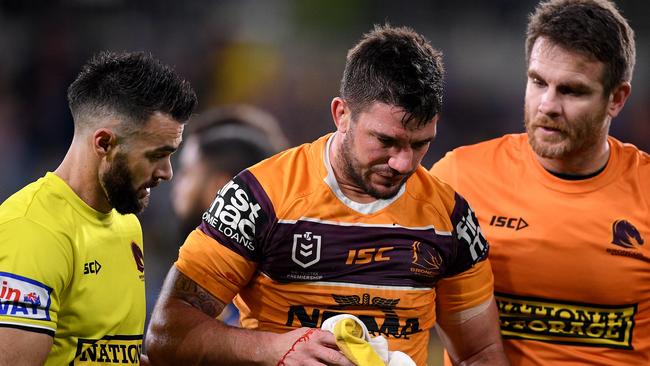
(472, 337)
(187, 336)
(23, 348)
(491, 355)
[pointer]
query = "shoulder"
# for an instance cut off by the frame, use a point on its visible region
(427, 187)
(492, 158)
(19, 203)
(47, 205)
(435, 194)
(293, 173)
(507, 145)
(35, 205)
(632, 155)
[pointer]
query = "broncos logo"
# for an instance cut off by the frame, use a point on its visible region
(426, 257)
(623, 233)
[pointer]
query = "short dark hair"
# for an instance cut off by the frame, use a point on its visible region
(594, 28)
(241, 114)
(133, 85)
(234, 137)
(231, 149)
(395, 66)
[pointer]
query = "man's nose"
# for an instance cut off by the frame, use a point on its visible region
(402, 161)
(164, 171)
(549, 103)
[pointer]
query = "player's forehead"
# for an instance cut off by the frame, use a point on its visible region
(391, 122)
(160, 132)
(556, 63)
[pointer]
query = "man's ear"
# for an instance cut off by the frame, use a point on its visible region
(104, 140)
(618, 98)
(341, 114)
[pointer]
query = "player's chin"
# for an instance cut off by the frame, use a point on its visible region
(143, 202)
(385, 192)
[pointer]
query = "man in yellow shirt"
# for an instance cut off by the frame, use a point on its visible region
(566, 207)
(71, 258)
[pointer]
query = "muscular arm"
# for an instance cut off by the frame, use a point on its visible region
(23, 348)
(472, 336)
(184, 331)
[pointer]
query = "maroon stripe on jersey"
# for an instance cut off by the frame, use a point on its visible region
(390, 256)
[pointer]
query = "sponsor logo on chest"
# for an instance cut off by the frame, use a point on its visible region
(386, 323)
(554, 321)
(123, 350)
(514, 223)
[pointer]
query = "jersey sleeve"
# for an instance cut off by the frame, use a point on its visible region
(35, 268)
(222, 254)
(465, 290)
(470, 245)
(445, 169)
(468, 280)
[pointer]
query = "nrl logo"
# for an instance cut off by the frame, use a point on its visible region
(306, 249)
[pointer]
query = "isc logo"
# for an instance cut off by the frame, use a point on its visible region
(365, 256)
(92, 267)
(516, 223)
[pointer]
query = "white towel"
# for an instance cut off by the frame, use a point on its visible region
(379, 343)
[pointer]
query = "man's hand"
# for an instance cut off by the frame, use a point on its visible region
(309, 346)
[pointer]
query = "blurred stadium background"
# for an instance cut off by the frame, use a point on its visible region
(286, 56)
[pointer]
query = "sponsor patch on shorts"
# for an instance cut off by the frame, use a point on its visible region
(24, 297)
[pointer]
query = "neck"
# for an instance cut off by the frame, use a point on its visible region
(346, 184)
(579, 164)
(79, 170)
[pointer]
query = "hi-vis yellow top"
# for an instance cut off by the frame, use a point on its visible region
(73, 273)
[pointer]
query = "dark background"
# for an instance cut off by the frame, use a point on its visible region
(286, 56)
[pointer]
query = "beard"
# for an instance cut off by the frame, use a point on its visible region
(352, 170)
(117, 182)
(579, 136)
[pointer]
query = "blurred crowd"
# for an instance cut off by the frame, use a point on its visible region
(284, 56)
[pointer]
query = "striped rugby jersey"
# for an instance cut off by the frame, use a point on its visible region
(283, 240)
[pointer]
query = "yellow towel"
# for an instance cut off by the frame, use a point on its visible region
(349, 338)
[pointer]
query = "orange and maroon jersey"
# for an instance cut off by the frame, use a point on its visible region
(570, 258)
(284, 240)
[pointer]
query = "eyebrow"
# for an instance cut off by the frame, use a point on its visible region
(573, 85)
(163, 149)
(381, 135)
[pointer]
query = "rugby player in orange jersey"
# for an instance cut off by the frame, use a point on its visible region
(566, 207)
(351, 223)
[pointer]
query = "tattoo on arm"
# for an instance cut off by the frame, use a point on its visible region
(189, 291)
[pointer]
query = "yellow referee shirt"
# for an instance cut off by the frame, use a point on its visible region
(73, 273)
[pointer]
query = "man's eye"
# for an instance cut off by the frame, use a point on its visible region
(157, 157)
(571, 91)
(385, 142)
(537, 81)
